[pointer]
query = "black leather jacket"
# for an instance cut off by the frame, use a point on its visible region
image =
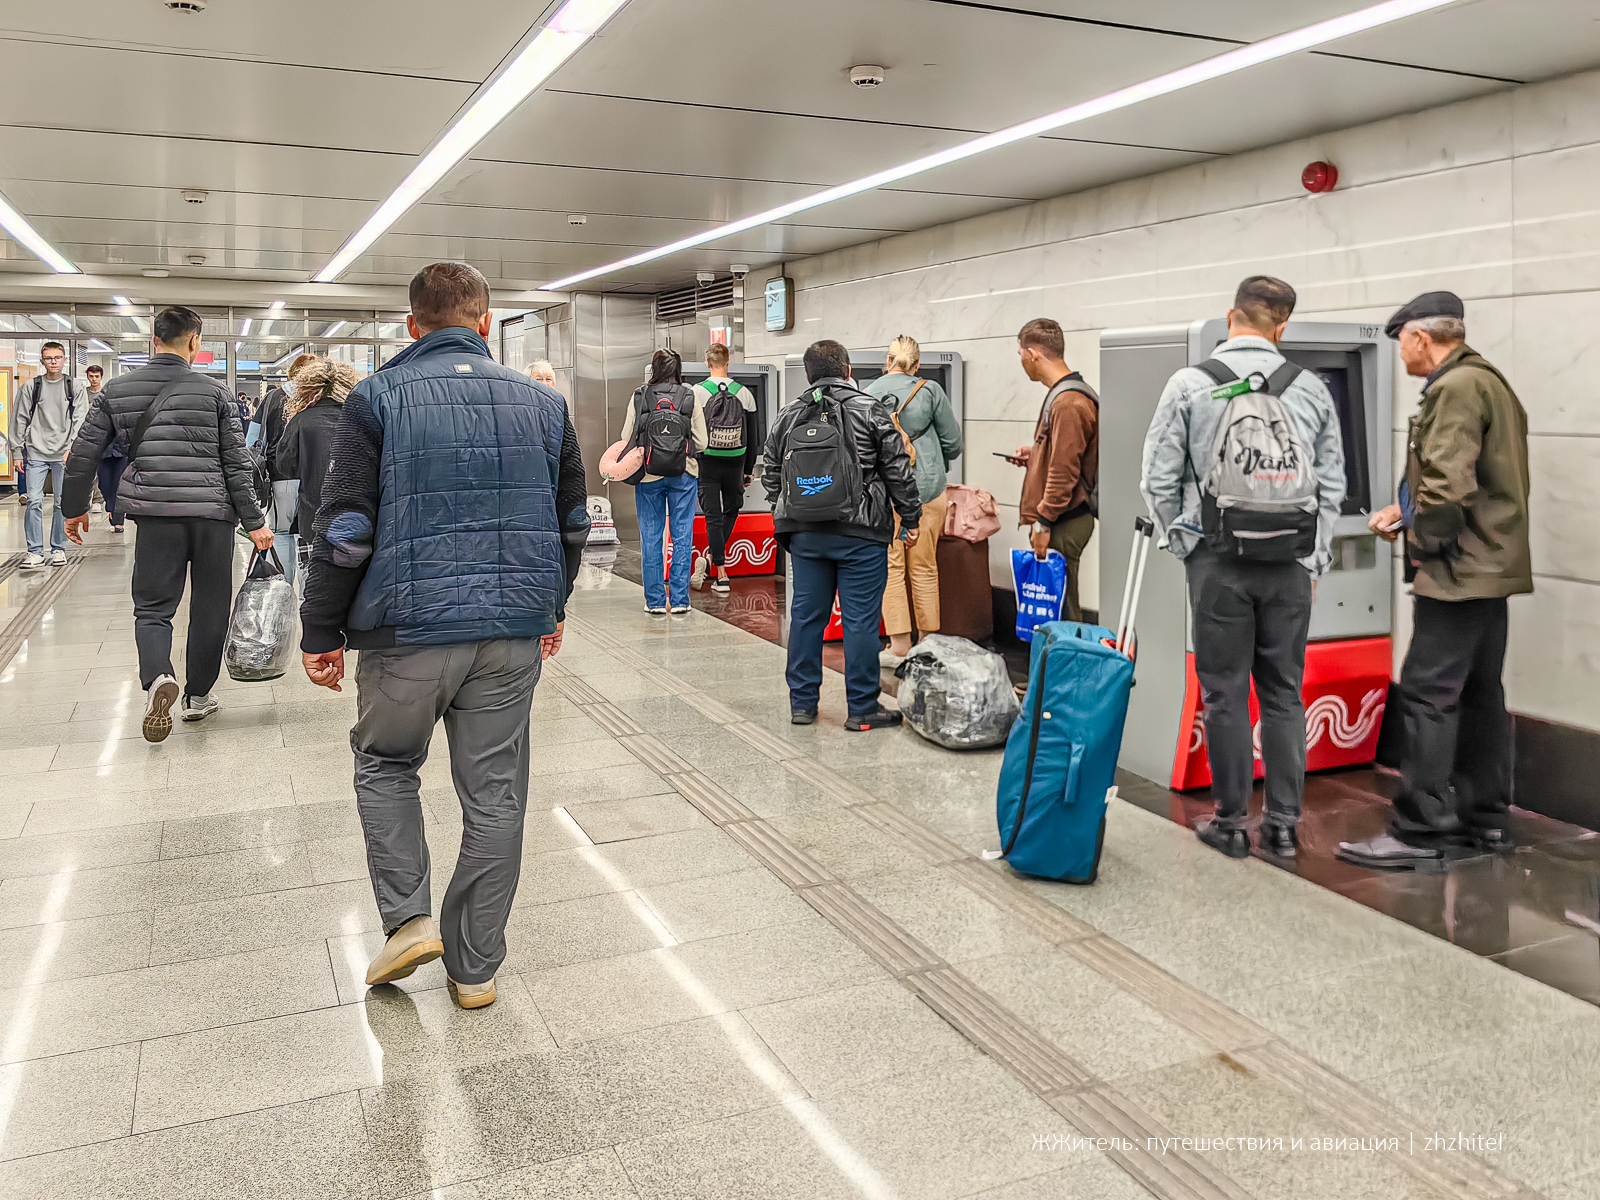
(886, 472)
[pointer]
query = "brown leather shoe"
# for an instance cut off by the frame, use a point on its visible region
(414, 943)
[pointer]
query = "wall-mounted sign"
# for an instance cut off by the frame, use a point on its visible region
(780, 304)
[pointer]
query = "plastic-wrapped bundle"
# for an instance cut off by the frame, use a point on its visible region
(261, 630)
(956, 693)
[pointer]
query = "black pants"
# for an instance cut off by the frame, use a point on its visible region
(1456, 768)
(110, 472)
(167, 549)
(1250, 620)
(721, 497)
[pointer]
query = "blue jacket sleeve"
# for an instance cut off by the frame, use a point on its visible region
(343, 533)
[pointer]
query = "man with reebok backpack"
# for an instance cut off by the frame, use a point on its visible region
(727, 463)
(836, 474)
(1244, 475)
(664, 420)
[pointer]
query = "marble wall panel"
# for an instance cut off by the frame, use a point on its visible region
(1565, 487)
(1557, 220)
(1563, 112)
(1556, 362)
(1553, 664)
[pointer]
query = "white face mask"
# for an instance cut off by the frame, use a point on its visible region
(288, 389)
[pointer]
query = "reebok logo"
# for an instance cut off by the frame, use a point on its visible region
(814, 485)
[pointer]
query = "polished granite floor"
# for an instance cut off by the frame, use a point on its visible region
(746, 960)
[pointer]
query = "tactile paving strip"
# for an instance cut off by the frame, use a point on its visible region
(704, 793)
(1094, 1108)
(773, 747)
(653, 753)
(612, 719)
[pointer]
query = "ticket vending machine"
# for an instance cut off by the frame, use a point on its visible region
(754, 548)
(943, 367)
(1348, 661)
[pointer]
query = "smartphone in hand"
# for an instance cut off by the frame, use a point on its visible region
(1011, 458)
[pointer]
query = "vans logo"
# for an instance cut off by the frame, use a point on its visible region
(814, 485)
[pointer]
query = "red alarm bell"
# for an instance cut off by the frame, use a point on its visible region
(1320, 177)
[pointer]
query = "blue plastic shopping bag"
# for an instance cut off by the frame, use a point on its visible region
(1041, 587)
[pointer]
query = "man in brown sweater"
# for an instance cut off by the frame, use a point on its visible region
(1061, 489)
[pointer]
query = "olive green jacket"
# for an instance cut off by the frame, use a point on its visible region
(1467, 473)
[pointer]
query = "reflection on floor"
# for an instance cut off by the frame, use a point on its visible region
(1536, 911)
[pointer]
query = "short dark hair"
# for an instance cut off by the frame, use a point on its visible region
(666, 366)
(177, 322)
(1266, 302)
(1045, 334)
(449, 293)
(716, 355)
(827, 359)
(52, 346)
(91, 369)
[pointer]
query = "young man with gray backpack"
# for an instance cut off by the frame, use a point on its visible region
(836, 473)
(1244, 475)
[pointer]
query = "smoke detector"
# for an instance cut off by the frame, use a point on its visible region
(577, 219)
(195, 195)
(196, 260)
(867, 77)
(186, 6)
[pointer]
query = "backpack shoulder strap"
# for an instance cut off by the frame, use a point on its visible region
(921, 383)
(149, 416)
(1219, 371)
(1278, 382)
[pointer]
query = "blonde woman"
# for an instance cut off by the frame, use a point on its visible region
(311, 416)
(923, 412)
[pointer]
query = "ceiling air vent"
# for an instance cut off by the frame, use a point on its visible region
(696, 298)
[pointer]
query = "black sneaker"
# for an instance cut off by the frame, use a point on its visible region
(878, 718)
(1280, 841)
(1235, 843)
(802, 716)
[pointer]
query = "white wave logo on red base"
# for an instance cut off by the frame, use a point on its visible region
(1327, 716)
(743, 550)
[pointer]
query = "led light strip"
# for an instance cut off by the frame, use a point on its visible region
(575, 23)
(1162, 85)
(17, 226)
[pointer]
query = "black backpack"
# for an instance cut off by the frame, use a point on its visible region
(663, 428)
(724, 417)
(821, 475)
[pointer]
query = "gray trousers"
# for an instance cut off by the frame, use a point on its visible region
(483, 691)
(1250, 620)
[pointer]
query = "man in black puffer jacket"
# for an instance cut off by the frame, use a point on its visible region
(187, 483)
(849, 556)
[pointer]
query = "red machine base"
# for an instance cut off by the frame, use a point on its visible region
(1346, 685)
(753, 549)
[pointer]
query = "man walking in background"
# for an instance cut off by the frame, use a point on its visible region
(836, 474)
(726, 464)
(188, 482)
(1250, 592)
(1463, 513)
(1061, 484)
(49, 412)
(453, 520)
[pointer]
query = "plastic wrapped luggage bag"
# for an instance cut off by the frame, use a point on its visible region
(956, 693)
(261, 631)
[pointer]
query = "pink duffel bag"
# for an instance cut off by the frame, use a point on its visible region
(972, 515)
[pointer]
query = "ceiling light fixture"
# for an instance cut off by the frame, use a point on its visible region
(17, 226)
(1204, 71)
(98, 346)
(124, 301)
(61, 321)
(334, 328)
(245, 328)
(573, 25)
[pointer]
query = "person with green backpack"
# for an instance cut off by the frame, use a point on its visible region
(726, 464)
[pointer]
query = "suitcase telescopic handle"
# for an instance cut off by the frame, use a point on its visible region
(1144, 530)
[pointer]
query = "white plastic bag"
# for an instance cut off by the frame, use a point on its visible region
(261, 631)
(956, 693)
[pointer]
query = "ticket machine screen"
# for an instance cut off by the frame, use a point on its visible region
(1340, 370)
(935, 372)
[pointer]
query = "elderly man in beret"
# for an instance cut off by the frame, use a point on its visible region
(1463, 515)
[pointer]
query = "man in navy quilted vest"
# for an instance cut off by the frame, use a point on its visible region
(452, 523)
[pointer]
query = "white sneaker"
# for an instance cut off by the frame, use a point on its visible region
(679, 609)
(198, 708)
(58, 558)
(702, 568)
(653, 611)
(163, 694)
(888, 659)
(33, 562)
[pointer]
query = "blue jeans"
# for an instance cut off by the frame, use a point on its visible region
(659, 502)
(822, 565)
(33, 521)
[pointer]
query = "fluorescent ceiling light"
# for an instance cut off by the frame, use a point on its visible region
(17, 226)
(1162, 85)
(276, 308)
(98, 346)
(245, 328)
(298, 350)
(60, 320)
(575, 23)
(124, 301)
(334, 328)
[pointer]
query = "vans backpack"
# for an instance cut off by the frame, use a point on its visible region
(1260, 500)
(821, 476)
(664, 430)
(724, 417)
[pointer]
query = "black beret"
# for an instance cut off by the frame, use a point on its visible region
(1429, 304)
